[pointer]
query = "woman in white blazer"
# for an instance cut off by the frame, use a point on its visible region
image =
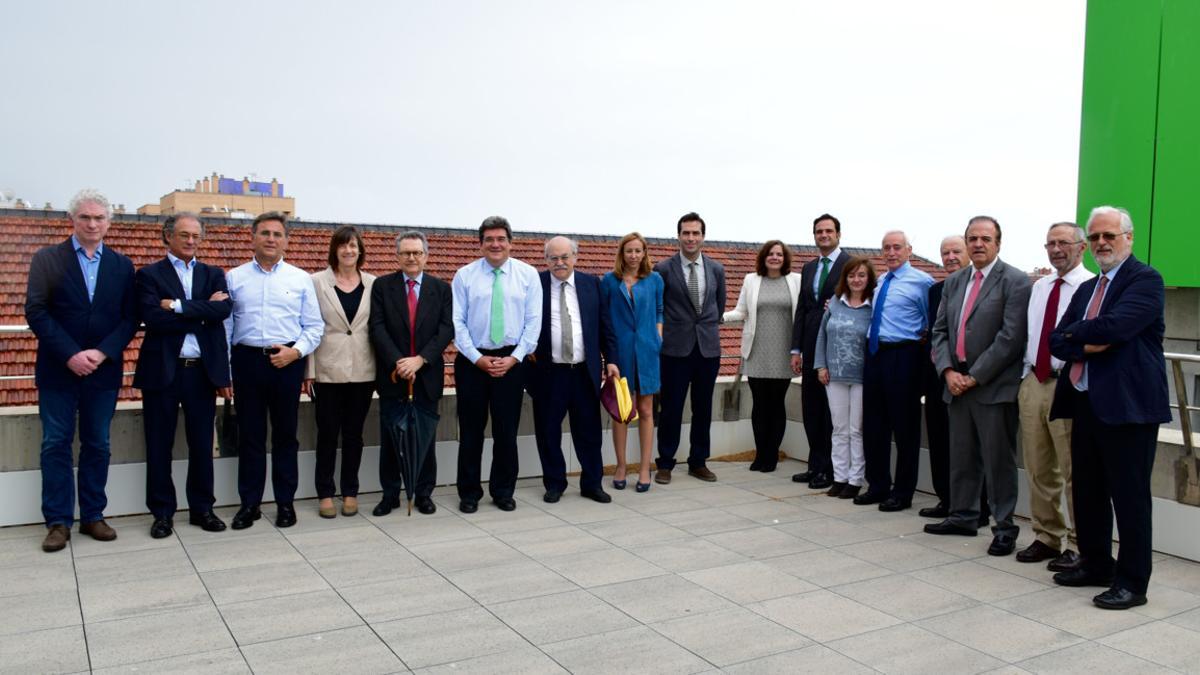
(766, 308)
(340, 374)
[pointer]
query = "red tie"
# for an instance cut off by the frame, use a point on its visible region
(1092, 311)
(1041, 369)
(960, 344)
(412, 317)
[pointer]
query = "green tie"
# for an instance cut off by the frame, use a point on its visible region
(824, 274)
(497, 309)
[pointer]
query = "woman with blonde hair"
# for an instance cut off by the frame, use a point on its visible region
(633, 292)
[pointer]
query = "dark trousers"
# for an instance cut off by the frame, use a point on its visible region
(818, 424)
(1111, 466)
(892, 408)
(390, 478)
(768, 418)
(261, 390)
(341, 407)
(191, 389)
(678, 374)
(937, 433)
(58, 409)
(561, 391)
(478, 395)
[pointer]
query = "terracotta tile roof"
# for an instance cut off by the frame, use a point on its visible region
(227, 245)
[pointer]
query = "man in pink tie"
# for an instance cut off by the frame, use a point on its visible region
(1046, 444)
(410, 327)
(1115, 393)
(978, 339)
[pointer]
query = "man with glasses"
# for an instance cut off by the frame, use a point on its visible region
(410, 326)
(497, 319)
(1046, 444)
(1115, 393)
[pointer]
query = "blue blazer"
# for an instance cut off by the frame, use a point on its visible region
(66, 323)
(635, 327)
(1127, 383)
(165, 329)
(597, 325)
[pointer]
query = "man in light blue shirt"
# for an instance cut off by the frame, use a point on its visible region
(276, 323)
(497, 320)
(892, 377)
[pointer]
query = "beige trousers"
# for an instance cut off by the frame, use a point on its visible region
(1046, 447)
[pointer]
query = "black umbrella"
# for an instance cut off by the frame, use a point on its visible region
(412, 430)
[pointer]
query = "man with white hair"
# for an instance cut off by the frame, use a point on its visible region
(1115, 393)
(80, 304)
(892, 377)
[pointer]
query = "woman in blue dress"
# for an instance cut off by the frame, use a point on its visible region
(634, 292)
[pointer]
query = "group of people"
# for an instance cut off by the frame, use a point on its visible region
(991, 355)
(1072, 364)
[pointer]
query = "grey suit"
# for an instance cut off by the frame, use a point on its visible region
(983, 421)
(690, 358)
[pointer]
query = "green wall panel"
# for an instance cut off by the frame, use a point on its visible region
(1177, 152)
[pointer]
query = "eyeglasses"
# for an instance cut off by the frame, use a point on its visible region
(1059, 243)
(559, 258)
(411, 254)
(1106, 236)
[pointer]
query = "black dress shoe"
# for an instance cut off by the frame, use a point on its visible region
(849, 492)
(948, 527)
(1082, 577)
(425, 505)
(892, 504)
(802, 477)
(868, 497)
(984, 521)
(468, 506)
(1036, 552)
(285, 515)
(209, 522)
(939, 511)
(597, 495)
(1002, 544)
(161, 529)
(820, 481)
(551, 496)
(1119, 598)
(836, 489)
(505, 503)
(385, 507)
(245, 517)
(1066, 562)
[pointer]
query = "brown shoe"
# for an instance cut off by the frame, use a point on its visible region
(99, 530)
(56, 539)
(326, 509)
(703, 474)
(662, 476)
(349, 506)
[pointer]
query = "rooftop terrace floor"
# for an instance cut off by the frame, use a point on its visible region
(751, 574)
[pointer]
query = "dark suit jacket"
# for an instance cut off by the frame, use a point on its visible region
(995, 331)
(933, 386)
(598, 339)
(66, 323)
(1127, 383)
(812, 306)
(165, 330)
(683, 329)
(390, 335)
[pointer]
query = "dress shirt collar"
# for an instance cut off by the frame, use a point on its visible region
(487, 267)
(845, 298)
(260, 268)
(176, 262)
(685, 262)
(986, 270)
(79, 247)
(1077, 275)
(419, 278)
(900, 271)
(1112, 274)
(555, 282)
(833, 255)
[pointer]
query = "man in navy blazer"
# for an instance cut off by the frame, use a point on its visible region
(565, 377)
(693, 305)
(1116, 394)
(818, 278)
(79, 304)
(184, 360)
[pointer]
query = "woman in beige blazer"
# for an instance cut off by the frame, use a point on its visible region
(341, 372)
(766, 308)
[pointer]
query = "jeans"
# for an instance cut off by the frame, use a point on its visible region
(58, 409)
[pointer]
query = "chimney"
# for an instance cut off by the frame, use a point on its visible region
(274, 188)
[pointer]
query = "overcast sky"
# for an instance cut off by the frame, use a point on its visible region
(599, 117)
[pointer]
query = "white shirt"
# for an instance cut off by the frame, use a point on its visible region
(556, 320)
(184, 270)
(700, 275)
(971, 283)
(1111, 274)
(1038, 298)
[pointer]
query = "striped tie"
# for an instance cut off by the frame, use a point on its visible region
(694, 286)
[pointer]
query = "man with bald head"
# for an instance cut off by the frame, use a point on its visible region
(565, 374)
(1115, 393)
(1046, 444)
(892, 377)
